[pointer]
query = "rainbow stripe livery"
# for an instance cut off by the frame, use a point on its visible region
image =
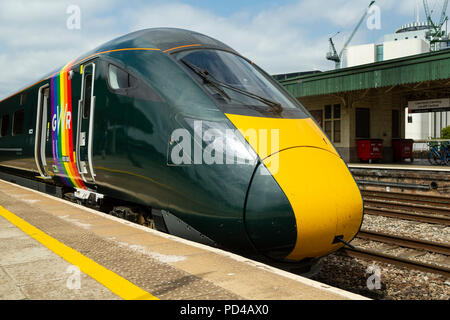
(62, 129)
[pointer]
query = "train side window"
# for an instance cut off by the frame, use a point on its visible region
(87, 95)
(23, 99)
(118, 79)
(5, 125)
(18, 121)
(123, 83)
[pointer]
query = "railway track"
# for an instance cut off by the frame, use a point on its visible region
(398, 260)
(409, 198)
(431, 246)
(426, 218)
(405, 255)
(425, 208)
(368, 254)
(415, 207)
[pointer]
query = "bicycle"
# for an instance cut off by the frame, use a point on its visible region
(439, 154)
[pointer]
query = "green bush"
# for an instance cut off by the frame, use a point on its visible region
(445, 133)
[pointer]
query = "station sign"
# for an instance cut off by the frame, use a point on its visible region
(433, 105)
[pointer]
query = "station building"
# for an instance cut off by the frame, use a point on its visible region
(410, 39)
(369, 101)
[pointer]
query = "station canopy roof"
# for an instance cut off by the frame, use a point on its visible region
(402, 71)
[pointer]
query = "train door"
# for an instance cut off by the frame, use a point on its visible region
(85, 125)
(42, 131)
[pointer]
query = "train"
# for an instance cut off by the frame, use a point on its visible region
(175, 130)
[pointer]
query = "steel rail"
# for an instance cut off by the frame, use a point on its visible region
(367, 254)
(423, 187)
(426, 218)
(419, 208)
(411, 197)
(432, 246)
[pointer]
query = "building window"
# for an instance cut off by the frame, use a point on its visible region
(362, 123)
(332, 123)
(395, 124)
(337, 130)
(318, 116)
(380, 55)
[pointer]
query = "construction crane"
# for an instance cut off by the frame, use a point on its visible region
(332, 55)
(437, 27)
(436, 34)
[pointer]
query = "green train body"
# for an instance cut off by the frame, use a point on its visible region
(107, 124)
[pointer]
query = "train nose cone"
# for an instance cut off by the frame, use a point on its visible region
(269, 219)
(299, 201)
(310, 188)
(325, 199)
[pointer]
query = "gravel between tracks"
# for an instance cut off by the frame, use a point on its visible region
(396, 283)
(424, 231)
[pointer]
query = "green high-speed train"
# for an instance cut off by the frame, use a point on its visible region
(176, 130)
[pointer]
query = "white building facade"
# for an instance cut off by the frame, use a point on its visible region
(408, 40)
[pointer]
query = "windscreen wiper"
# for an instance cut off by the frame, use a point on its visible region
(205, 75)
(275, 105)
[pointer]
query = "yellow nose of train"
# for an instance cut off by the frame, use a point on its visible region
(323, 195)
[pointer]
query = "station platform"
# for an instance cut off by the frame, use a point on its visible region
(51, 249)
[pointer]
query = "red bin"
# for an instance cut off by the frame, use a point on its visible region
(370, 149)
(403, 149)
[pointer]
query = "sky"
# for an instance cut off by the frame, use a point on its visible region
(38, 36)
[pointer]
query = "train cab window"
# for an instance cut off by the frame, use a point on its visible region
(18, 121)
(5, 125)
(119, 79)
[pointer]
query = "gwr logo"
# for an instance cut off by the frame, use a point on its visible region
(56, 120)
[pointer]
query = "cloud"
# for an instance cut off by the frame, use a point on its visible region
(284, 39)
(34, 38)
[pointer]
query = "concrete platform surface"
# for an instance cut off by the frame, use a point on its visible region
(51, 249)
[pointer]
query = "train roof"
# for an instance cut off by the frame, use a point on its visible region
(162, 39)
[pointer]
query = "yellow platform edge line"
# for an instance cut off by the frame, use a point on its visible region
(118, 285)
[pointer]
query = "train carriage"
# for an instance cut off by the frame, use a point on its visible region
(174, 129)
